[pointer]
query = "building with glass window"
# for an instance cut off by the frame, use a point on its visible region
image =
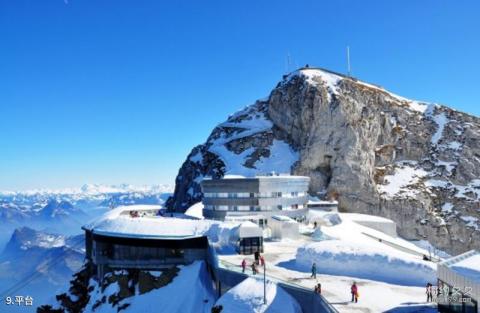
(135, 237)
(255, 196)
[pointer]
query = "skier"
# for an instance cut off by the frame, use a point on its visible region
(262, 261)
(314, 270)
(244, 265)
(429, 292)
(354, 291)
(254, 268)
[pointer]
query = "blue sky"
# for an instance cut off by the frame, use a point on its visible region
(120, 91)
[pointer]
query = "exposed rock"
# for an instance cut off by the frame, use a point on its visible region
(381, 154)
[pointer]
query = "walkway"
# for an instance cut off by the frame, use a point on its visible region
(374, 296)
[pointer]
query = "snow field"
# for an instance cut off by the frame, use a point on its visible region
(343, 258)
(247, 297)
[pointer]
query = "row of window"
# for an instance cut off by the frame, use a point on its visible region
(121, 252)
(275, 194)
(253, 208)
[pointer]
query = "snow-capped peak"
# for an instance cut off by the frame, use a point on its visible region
(92, 189)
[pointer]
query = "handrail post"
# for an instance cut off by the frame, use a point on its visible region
(264, 284)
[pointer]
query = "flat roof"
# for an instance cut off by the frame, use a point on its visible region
(119, 223)
(279, 176)
(283, 218)
(466, 264)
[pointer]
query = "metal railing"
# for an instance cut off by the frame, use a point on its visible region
(226, 265)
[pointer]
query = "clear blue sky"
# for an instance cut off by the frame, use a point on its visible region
(96, 91)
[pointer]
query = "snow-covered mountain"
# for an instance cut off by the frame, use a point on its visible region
(64, 211)
(378, 153)
(38, 263)
(139, 291)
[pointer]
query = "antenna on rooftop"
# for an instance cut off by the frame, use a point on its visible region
(349, 73)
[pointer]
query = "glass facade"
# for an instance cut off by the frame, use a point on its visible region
(236, 195)
(250, 245)
(253, 208)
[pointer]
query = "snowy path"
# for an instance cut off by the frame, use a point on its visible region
(374, 296)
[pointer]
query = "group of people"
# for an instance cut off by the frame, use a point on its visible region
(259, 261)
(318, 287)
(134, 214)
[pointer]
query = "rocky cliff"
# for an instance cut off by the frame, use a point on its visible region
(378, 153)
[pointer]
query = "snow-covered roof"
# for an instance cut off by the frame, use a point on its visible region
(275, 176)
(466, 264)
(283, 218)
(248, 229)
(233, 218)
(119, 223)
(322, 202)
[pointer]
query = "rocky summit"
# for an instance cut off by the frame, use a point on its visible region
(375, 152)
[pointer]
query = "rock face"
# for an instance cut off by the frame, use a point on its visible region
(378, 153)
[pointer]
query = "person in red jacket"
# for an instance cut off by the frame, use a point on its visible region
(354, 291)
(262, 261)
(244, 265)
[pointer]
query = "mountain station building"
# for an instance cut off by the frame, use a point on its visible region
(234, 197)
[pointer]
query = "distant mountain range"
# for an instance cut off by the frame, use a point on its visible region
(41, 258)
(65, 211)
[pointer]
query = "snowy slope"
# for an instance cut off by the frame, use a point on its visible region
(190, 291)
(247, 297)
(413, 162)
(356, 251)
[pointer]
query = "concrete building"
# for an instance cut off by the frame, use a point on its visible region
(459, 283)
(260, 195)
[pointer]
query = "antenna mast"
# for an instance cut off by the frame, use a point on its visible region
(348, 62)
(289, 62)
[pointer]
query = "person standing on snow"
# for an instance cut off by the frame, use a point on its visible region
(254, 268)
(262, 261)
(429, 292)
(244, 265)
(354, 291)
(314, 270)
